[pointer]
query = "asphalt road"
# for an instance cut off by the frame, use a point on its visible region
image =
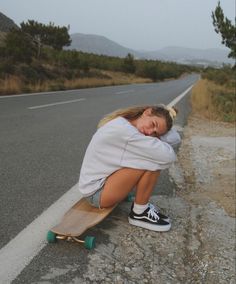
(42, 143)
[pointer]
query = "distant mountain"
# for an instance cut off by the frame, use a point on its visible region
(101, 45)
(6, 23)
(183, 54)
(98, 45)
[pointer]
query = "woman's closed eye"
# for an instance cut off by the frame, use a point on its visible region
(154, 125)
(155, 128)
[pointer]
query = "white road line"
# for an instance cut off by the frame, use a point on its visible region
(37, 94)
(57, 103)
(125, 92)
(27, 95)
(177, 99)
(19, 252)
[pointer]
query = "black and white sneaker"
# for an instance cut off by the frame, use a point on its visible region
(160, 215)
(150, 220)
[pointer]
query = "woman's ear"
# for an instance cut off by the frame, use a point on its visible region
(147, 112)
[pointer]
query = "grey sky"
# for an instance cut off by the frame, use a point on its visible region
(137, 24)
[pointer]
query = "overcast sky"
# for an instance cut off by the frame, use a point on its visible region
(137, 24)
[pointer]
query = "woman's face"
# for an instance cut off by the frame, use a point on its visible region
(151, 125)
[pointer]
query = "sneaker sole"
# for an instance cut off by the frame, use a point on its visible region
(156, 228)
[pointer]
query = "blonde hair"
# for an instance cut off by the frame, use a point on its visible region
(132, 113)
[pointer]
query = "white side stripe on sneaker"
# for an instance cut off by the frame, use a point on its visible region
(145, 217)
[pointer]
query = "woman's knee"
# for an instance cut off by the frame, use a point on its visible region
(118, 185)
(152, 173)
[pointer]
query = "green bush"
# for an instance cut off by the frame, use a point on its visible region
(129, 64)
(7, 67)
(223, 76)
(225, 104)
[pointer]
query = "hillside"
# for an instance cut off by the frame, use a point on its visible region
(102, 45)
(98, 45)
(6, 23)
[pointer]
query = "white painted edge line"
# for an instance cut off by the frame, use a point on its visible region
(177, 99)
(26, 95)
(18, 253)
(57, 103)
(37, 94)
(124, 92)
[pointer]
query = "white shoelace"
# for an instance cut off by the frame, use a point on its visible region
(152, 213)
(150, 205)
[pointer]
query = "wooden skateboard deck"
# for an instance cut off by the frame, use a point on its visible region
(76, 221)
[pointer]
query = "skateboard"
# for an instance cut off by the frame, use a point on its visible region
(76, 221)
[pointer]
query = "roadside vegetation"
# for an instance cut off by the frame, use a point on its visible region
(33, 59)
(214, 95)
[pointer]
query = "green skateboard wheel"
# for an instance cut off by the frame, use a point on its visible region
(51, 237)
(89, 242)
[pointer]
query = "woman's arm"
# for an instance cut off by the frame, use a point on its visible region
(146, 152)
(172, 137)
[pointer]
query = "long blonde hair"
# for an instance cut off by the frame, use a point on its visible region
(132, 113)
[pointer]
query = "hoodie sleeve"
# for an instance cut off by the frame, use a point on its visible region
(172, 137)
(149, 153)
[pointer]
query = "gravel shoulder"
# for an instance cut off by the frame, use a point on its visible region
(206, 181)
(207, 161)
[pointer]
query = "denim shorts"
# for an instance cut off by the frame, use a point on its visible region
(95, 198)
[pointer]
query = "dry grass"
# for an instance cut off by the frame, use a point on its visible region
(10, 85)
(206, 97)
(201, 99)
(38, 87)
(115, 78)
(13, 85)
(125, 78)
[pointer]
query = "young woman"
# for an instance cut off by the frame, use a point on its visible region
(128, 151)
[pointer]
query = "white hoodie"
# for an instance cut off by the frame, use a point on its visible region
(118, 144)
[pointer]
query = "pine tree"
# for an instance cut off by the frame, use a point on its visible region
(227, 30)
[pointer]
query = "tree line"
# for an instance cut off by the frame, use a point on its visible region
(25, 43)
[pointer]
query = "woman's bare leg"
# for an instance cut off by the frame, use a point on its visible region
(120, 183)
(145, 187)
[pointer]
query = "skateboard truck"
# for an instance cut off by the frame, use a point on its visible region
(88, 242)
